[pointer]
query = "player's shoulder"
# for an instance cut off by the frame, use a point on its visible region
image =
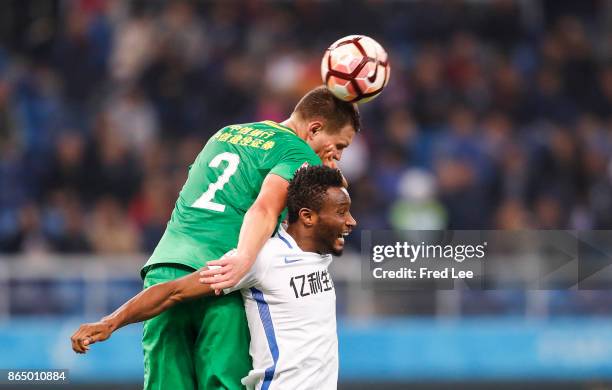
(277, 141)
(288, 136)
(275, 247)
(268, 130)
(262, 126)
(272, 248)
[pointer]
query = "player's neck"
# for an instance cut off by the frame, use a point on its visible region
(302, 238)
(294, 124)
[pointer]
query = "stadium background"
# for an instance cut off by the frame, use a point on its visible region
(497, 116)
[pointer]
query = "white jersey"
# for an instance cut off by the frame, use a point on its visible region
(290, 304)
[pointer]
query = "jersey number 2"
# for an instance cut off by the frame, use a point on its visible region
(205, 201)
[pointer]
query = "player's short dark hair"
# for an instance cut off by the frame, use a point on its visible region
(321, 103)
(308, 187)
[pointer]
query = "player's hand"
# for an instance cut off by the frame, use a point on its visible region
(327, 157)
(225, 272)
(88, 334)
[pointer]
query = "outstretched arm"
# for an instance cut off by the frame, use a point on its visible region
(258, 225)
(147, 304)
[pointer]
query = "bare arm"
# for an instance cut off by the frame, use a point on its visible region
(147, 304)
(258, 225)
(261, 218)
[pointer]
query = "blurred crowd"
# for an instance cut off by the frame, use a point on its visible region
(497, 115)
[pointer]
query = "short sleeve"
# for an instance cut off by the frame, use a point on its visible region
(290, 163)
(253, 276)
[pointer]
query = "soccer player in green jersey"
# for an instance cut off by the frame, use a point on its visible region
(233, 198)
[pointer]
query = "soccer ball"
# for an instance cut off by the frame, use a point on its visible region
(355, 68)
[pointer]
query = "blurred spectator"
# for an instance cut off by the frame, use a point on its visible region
(114, 166)
(465, 172)
(132, 118)
(547, 99)
(431, 95)
(150, 211)
(355, 160)
(23, 232)
(182, 31)
(81, 78)
(133, 47)
(418, 208)
(512, 215)
(6, 115)
(67, 169)
(65, 227)
(110, 231)
(15, 188)
(548, 212)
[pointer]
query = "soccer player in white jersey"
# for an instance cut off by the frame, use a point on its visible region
(288, 294)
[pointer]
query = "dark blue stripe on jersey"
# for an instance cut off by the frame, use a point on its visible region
(266, 319)
(284, 239)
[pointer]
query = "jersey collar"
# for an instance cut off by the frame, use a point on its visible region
(279, 126)
(286, 238)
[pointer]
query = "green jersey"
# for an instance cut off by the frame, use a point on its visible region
(223, 183)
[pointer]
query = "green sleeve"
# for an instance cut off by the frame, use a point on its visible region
(287, 166)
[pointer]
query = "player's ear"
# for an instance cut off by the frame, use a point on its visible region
(314, 128)
(307, 216)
